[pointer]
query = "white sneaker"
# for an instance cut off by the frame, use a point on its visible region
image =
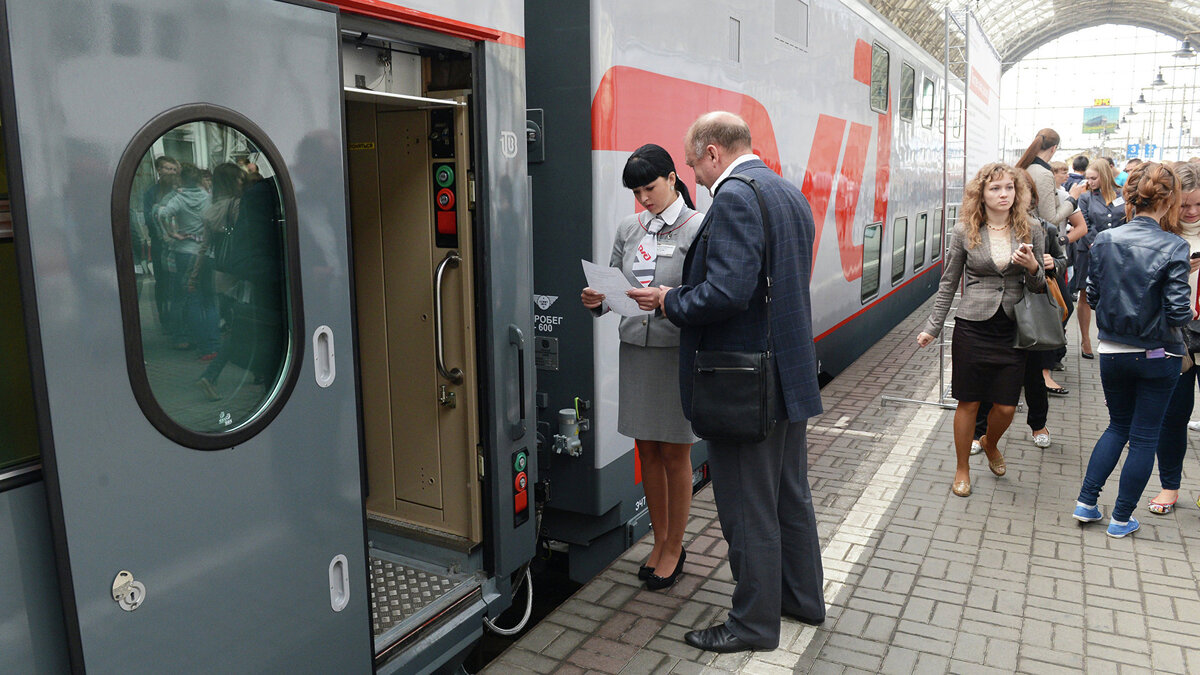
(976, 447)
(1042, 440)
(1194, 425)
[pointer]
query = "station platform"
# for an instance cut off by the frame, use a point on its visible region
(918, 580)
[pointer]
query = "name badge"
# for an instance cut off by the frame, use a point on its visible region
(666, 250)
(1119, 201)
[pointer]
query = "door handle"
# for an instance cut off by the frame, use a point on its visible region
(517, 339)
(455, 375)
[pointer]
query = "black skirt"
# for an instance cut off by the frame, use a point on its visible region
(986, 366)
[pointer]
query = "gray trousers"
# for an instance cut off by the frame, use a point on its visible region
(765, 507)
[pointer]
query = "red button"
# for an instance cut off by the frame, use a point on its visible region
(445, 199)
(520, 501)
(521, 482)
(447, 222)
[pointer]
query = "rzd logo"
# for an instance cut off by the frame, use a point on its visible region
(508, 144)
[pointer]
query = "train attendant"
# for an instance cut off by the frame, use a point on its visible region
(999, 247)
(1172, 440)
(650, 248)
(1138, 286)
(1102, 207)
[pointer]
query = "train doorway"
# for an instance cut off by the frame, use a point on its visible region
(409, 163)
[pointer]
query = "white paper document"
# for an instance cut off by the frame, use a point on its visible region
(612, 283)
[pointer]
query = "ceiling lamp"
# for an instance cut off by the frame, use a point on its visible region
(1185, 50)
(1131, 111)
(1141, 99)
(1170, 125)
(1158, 81)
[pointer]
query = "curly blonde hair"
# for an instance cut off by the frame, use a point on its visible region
(974, 210)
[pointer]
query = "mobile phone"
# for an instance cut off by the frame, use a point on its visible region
(1027, 247)
(1196, 255)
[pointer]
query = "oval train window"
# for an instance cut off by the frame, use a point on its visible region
(204, 225)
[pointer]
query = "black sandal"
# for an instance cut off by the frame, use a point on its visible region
(1057, 391)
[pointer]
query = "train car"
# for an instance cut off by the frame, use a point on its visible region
(293, 377)
(839, 101)
(265, 280)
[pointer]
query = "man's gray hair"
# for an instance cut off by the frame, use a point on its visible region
(719, 128)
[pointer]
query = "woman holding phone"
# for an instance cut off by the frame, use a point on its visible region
(649, 248)
(1000, 250)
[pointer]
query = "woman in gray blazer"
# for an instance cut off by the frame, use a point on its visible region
(649, 248)
(1000, 248)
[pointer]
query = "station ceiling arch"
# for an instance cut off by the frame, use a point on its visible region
(1017, 27)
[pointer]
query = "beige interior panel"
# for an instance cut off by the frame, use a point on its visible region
(406, 208)
(421, 453)
(366, 238)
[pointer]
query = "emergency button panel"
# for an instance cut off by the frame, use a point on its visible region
(520, 462)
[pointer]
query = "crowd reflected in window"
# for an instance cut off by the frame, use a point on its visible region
(209, 246)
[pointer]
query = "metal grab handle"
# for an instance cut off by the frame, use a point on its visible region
(451, 260)
(517, 339)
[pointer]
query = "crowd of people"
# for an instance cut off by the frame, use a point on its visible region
(1122, 249)
(209, 281)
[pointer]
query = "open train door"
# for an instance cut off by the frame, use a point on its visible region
(199, 428)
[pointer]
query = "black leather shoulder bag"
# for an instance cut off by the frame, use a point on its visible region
(733, 393)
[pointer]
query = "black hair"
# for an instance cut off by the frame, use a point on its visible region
(649, 163)
(1080, 163)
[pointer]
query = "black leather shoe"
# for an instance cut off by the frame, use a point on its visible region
(645, 572)
(657, 583)
(1087, 355)
(717, 639)
(1057, 391)
(803, 620)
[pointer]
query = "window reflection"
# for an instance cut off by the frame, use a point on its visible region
(872, 247)
(207, 229)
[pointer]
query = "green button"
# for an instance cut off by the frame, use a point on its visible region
(444, 176)
(520, 462)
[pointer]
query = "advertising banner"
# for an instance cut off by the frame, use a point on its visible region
(1101, 119)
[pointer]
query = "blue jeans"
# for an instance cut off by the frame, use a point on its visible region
(1137, 390)
(1172, 440)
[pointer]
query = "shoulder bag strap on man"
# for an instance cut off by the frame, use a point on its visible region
(766, 221)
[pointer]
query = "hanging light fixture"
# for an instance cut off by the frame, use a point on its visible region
(1170, 125)
(1185, 50)
(1131, 111)
(1158, 81)
(1141, 99)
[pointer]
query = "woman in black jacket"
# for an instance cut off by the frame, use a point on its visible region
(1138, 286)
(1103, 207)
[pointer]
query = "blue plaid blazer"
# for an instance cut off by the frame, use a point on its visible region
(720, 303)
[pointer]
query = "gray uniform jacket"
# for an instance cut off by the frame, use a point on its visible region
(986, 287)
(653, 330)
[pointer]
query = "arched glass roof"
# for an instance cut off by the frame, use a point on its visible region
(1017, 27)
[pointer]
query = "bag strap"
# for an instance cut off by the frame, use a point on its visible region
(766, 222)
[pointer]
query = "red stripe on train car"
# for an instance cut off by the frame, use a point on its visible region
(620, 121)
(818, 175)
(862, 61)
(849, 187)
(379, 9)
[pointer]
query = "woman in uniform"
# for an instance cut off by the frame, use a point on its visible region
(649, 248)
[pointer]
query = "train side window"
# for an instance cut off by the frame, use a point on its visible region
(204, 224)
(872, 249)
(880, 68)
(899, 247)
(908, 83)
(18, 426)
(935, 236)
(927, 102)
(791, 23)
(919, 240)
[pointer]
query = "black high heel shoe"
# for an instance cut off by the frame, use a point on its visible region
(657, 583)
(644, 572)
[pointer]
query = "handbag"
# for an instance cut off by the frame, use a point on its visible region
(1039, 322)
(1191, 336)
(734, 392)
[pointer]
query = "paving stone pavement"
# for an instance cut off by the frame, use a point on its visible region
(916, 579)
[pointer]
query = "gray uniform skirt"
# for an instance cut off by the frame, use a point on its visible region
(649, 388)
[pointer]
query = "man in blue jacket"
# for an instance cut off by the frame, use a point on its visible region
(763, 498)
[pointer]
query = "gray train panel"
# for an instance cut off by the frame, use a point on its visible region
(234, 547)
(507, 261)
(32, 637)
